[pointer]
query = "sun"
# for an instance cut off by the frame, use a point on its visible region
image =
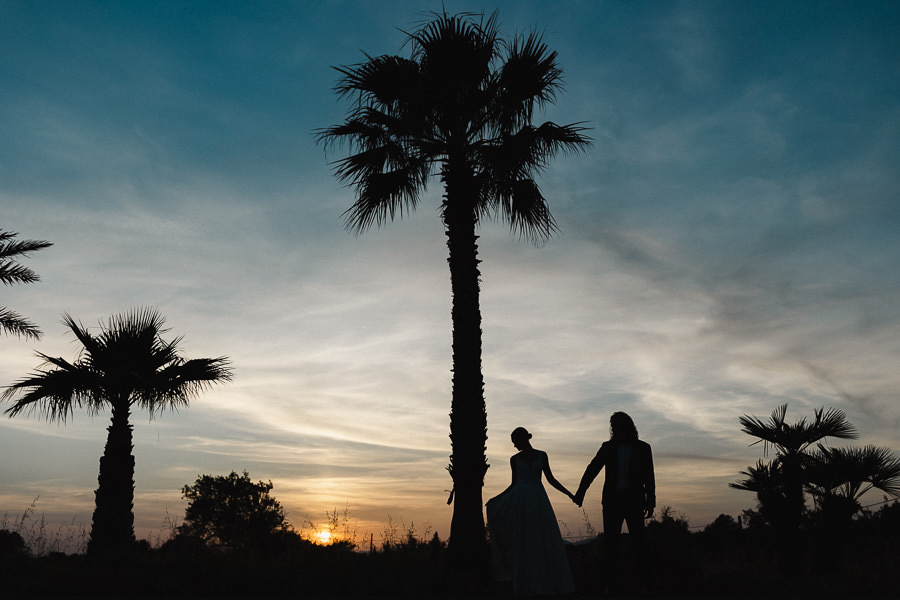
(324, 537)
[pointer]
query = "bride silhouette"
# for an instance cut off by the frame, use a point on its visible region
(525, 539)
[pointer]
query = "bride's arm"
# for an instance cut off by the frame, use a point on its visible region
(551, 479)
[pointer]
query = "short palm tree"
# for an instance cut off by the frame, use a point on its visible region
(839, 477)
(127, 364)
(459, 107)
(12, 272)
(791, 443)
(767, 482)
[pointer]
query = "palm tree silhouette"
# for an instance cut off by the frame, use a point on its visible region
(791, 443)
(779, 484)
(839, 477)
(766, 480)
(460, 107)
(12, 272)
(127, 364)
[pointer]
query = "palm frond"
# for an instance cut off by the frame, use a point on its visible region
(874, 465)
(528, 79)
(852, 471)
(52, 394)
(173, 386)
(89, 343)
(9, 247)
(525, 208)
(830, 469)
(507, 177)
(795, 438)
(883, 468)
(831, 423)
(11, 273)
(455, 56)
(357, 132)
(381, 196)
(128, 359)
(520, 155)
(357, 168)
(136, 322)
(786, 438)
(446, 37)
(380, 81)
(15, 324)
(761, 478)
(552, 138)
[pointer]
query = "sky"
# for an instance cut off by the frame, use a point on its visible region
(728, 244)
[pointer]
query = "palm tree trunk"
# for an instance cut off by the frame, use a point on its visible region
(789, 547)
(112, 529)
(468, 416)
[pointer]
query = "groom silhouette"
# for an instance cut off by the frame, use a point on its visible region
(629, 491)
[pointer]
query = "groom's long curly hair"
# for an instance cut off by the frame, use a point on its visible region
(621, 428)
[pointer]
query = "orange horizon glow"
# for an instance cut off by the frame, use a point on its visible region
(323, 537)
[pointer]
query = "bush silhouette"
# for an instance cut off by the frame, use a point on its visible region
(231, 511)
(11, 544)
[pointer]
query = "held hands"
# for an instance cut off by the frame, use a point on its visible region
(578, 498)
(565, 491)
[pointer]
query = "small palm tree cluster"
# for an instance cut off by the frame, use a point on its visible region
(127, 364)
(838, 478)
(835, 478)
(10, 273)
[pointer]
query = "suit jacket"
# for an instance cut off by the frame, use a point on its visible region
(641, 489)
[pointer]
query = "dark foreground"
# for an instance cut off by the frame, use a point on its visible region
(724, 563)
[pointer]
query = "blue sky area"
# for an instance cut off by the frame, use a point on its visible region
(728, 244)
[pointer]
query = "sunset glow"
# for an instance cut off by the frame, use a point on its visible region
(324, 537)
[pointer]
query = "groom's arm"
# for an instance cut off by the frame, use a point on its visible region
(593, 469)
(650, 485)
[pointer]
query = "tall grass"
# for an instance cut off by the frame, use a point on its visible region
(584, 533)
(42, 539)
(339, 528)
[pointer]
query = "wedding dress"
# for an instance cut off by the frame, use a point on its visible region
(525, 539)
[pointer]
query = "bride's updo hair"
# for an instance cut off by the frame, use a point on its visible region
(520, 433)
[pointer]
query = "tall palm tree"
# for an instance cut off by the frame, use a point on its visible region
(460, 107)
(791, 443)
(12, 272)
(127, 364)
